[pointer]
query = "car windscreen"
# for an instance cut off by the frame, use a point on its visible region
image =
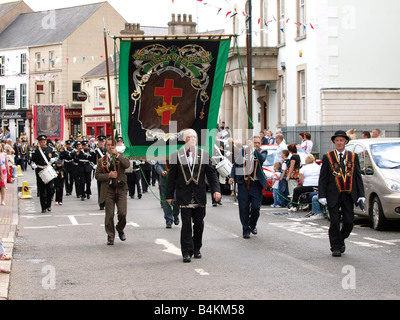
(386, 155)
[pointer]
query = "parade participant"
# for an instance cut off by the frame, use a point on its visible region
(170, 212)
(188, 168)
(84, 157)
(133, 177)
(23, 153)
(100, 150)
(146, 174)
(41, 157)
(248, 174)
(111, 172)
(66, 154)
(59, 181)
(340, 187)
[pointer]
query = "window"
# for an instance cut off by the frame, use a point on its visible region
(52, 59)
(76, 89)
(302, 96)
(40, 87)
(2, 96)
(2, 66)
(52, 91)
(24, 65)
(264, 18)
(23, 96)
(282, 102)
(281, 22)
(301, 18)
(100, 97)
(38, 60)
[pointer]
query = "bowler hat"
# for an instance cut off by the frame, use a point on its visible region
(340, 133)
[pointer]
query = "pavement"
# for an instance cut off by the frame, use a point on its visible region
(9, 219)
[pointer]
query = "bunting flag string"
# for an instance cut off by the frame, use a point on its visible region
(232, 12)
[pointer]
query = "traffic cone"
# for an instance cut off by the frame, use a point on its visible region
(26, 194)
(19, 171)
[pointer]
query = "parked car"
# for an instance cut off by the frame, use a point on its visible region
(268, 167)
(380, 168)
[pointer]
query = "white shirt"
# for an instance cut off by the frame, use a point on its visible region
(307, 145)
(277, 175)
(343, 155)
(278, 156)
(311, 174)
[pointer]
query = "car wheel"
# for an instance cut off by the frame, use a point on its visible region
(376, 215)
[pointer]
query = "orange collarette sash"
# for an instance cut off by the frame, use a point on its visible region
(344, 180)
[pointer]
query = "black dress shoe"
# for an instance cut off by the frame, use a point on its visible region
(246, 235)
(44, 211)
(176, 220)
(343, 248)
(88, 196)
(168, 226)
(253, 231)
(336, 253)
(122, 236)
(139, 196)
(197, 255)
(186, 258)
(82, 198)
(48, 209)
(110, 242)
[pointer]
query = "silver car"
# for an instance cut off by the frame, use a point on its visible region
(380, 167)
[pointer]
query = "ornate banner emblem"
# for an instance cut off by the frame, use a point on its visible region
(168, 86)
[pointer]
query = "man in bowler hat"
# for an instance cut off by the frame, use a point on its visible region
(340, 188)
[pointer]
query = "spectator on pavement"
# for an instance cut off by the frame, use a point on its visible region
(3, 174)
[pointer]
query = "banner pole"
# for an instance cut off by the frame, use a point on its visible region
(109, 85)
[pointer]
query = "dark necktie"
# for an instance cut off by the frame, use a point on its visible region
(341, 159)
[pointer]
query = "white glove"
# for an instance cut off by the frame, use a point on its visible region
(360, 199)
(323, 201)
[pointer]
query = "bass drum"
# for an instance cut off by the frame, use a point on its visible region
(224, 168)
(48, 174)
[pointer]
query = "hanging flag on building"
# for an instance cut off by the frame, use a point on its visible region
(49, 121)
(167, 86)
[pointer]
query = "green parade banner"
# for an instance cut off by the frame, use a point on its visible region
(167, 86)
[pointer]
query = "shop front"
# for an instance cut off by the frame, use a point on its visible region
(73, 119)
(98, 125)
(17, 122)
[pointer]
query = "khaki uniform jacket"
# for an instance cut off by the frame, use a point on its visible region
(103, 177)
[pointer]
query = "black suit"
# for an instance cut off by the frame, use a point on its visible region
(191, 194)
(328, 189)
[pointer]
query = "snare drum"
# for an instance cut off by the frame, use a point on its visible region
(224, 168)
(48, 174)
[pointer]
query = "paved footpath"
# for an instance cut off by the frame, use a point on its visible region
(8, 230)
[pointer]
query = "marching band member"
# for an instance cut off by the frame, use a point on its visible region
(41, 157)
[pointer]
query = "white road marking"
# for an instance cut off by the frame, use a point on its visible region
(44, 227)
(73, 220)
(169, 247)
(202, 272)
(388, 242)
